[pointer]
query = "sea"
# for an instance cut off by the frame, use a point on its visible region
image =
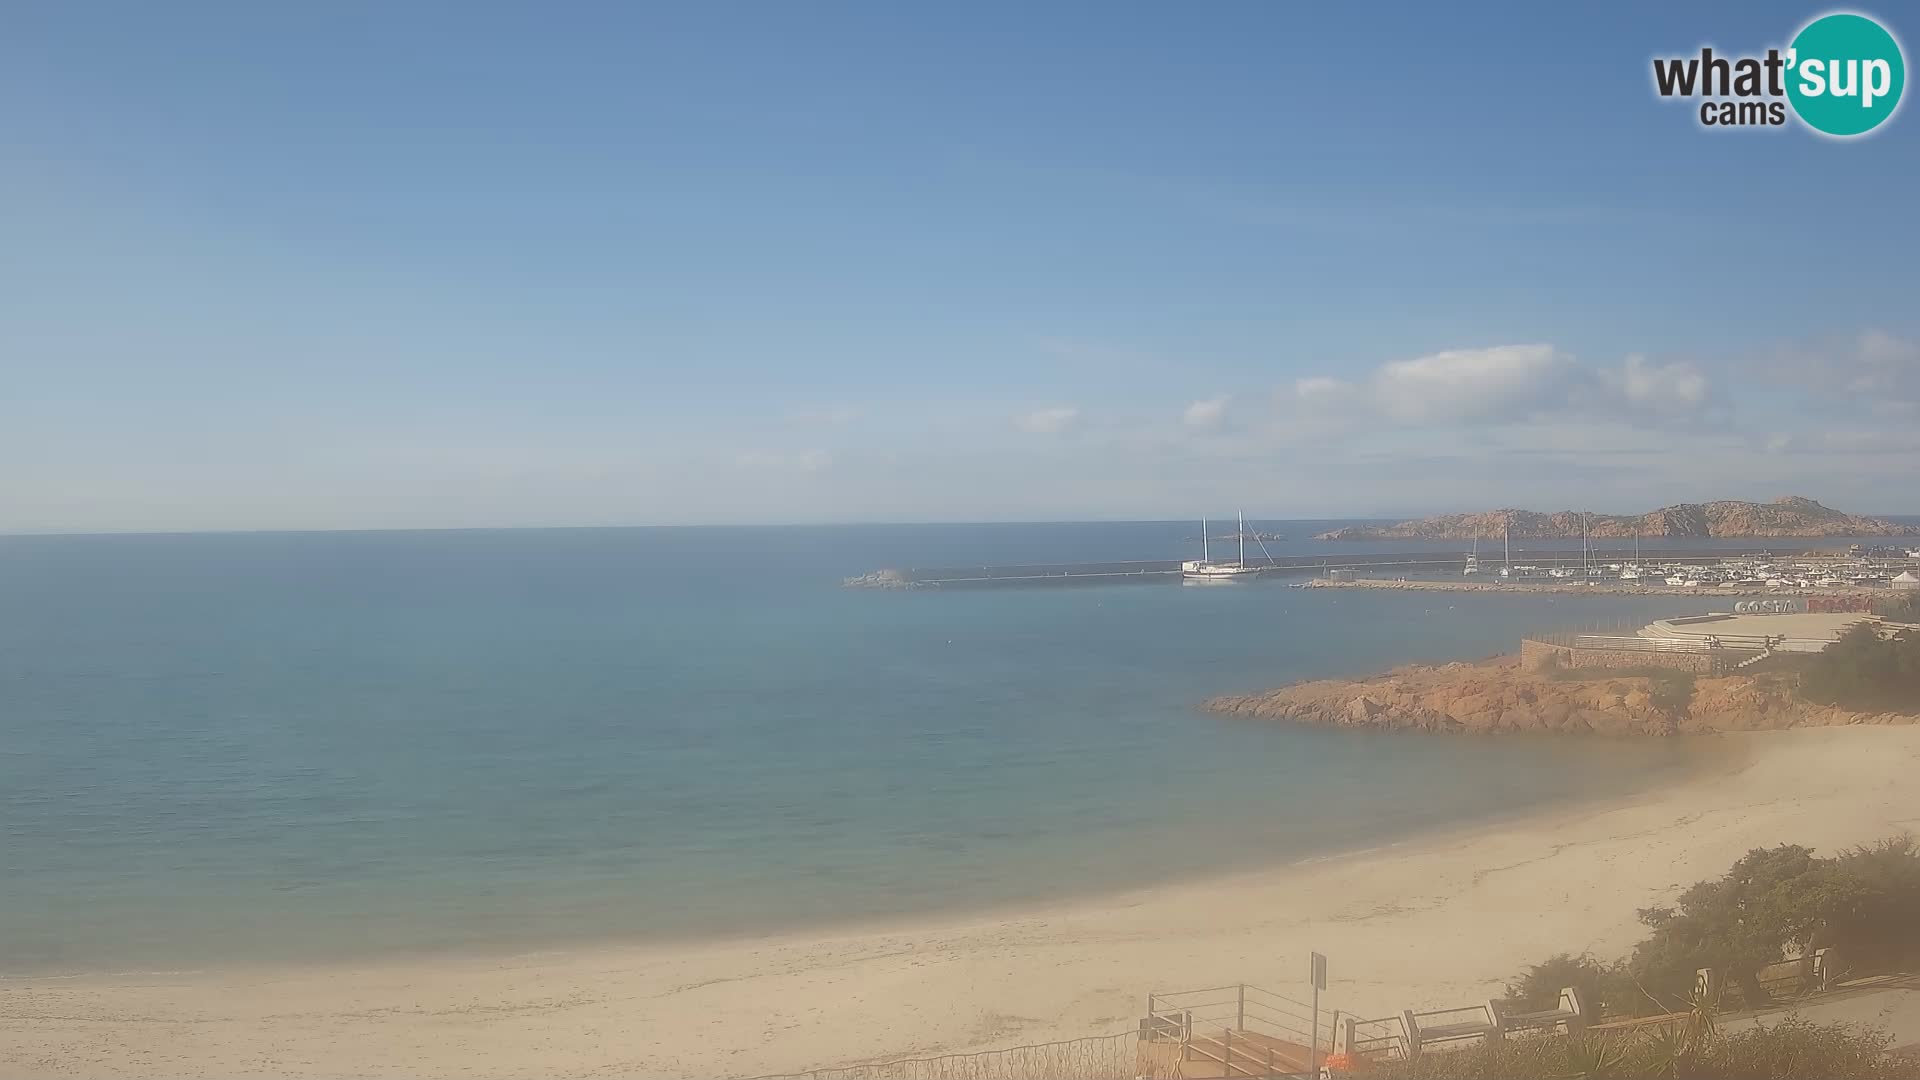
(279, 747)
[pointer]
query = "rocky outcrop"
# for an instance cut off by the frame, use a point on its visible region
(1498, 696)
(1790, 516)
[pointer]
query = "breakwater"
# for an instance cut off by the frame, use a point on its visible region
(1375, 564)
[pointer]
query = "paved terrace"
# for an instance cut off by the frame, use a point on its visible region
(1804, 631)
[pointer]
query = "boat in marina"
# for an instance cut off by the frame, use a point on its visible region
(1631, 572)
(1205, 569)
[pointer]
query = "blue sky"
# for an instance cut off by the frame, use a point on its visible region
(322, 266)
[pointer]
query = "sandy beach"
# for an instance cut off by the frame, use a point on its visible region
(1434, 921)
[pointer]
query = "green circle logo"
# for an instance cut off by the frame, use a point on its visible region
(1845, 74)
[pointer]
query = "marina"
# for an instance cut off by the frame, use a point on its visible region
(1653, 571)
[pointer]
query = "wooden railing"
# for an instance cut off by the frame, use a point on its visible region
(1240, 1029)
(1398, 1038)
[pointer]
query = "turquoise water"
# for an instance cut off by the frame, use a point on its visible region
(270, 747)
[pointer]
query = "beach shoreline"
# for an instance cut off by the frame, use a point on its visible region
(1436, 920)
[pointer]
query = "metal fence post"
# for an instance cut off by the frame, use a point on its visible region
(1313, 1041)
(1240, 1018)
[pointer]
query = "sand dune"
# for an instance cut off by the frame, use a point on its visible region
(1438, 920)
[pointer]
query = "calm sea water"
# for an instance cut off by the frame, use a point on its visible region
(219, 748)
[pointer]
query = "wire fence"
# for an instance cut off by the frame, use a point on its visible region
(1102, 1057)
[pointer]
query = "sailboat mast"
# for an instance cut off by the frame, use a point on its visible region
(1243, 539)
(1206, 554)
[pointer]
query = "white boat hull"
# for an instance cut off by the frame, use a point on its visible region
(1204, 571)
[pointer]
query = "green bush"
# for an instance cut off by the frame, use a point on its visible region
(1867, 672)
(1766, 906)
(1903, 606)
(1772, 904)
(1672, 693)
(1604, 988)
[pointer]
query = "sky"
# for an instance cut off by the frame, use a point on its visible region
(276, 266)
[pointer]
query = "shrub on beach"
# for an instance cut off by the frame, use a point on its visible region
(1774, 904)
(1604, 988)
(1866, 672)
(1781, 902)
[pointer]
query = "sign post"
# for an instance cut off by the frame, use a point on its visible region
(1317, 973)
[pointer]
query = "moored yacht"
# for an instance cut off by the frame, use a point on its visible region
(1205, 569)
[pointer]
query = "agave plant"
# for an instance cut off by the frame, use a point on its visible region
(1668, 1051)
(1594, 1057)
(1702, 1009)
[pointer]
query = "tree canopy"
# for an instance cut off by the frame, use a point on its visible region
(1772, 905)
(1866, 671)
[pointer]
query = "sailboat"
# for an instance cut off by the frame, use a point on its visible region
(1473, 560)
(1632, 573)
(1205, 569)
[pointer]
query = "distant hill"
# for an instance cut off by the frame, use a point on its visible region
(1791, 515)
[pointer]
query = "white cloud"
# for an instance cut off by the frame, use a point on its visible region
(1464, 384)
(1047, 421)
(1501, 384)
(1883, 366)
(1675, 387)
(1874, 366)
(1206, 413)
(1322, 388)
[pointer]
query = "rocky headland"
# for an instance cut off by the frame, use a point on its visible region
(1789, 516)
(1499, 696)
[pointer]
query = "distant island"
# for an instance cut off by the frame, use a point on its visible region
(1791, 515)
